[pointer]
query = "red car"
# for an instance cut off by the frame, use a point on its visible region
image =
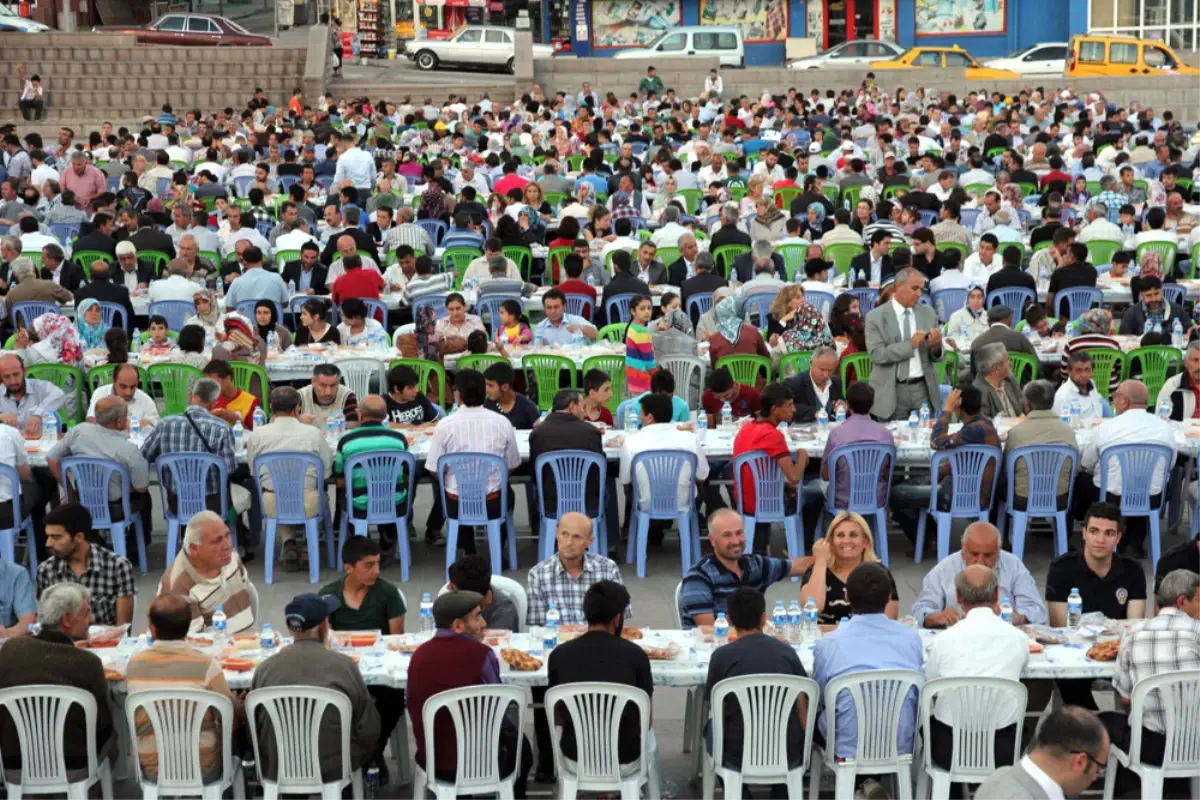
(191, 29)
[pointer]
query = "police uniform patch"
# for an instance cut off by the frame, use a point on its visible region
(1122, 595)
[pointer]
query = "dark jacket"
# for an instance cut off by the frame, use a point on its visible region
(70, 277)
(992, 404)
(98, 242)
(153, 239)
(362, 241)
(1012, 341)
(622, 283)
(930, 268)
(561, 430)
(701, 283)
(862, 261)
(743, 267)
(106, 291)
(728, 234)
(805, 396)
(292, 270)
(1134, 320)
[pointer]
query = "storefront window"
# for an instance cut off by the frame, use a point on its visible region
(1170, 21)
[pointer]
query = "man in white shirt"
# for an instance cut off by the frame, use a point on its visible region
(176, 285)
(32, 239)
(714, 172)
(1098, 226)
(660, 435)
(469, 177)
(295, 238)
(976, 174)
(983, 263)
(979, 645)
(625, 239)
(1079, 388)
(668, 235)
(1002, 231)
(816, 273)
(125, 386)
(1134, 424)
(989, 205)
(238, 231)
(355, 165)
(770, 168)
(42, 171)
(1153, 232)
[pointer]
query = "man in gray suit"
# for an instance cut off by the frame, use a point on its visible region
(995, 381)
(904, 340)
(1069, 751)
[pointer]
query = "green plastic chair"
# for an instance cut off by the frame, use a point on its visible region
(522, 257)
(1106, 361)
(425, 370)
(1024, 366)
(1165, 250)
(244, 376)
(959, 246)
(787, 194)
(1042, 245)
(691, 200)
(84, 259)
(575, 163)
(668, 256)
(746, 369)
(995, 151)
(1093, 187)
(860, 363)
(156, 259)
(891, 191)
(614, 367)
(555, 199)
(460, 258)
(725, 255)
(794, 363)
(555, 260)
(737, 193)
(852, 194)
(614, 332)
(479, 361)
(842, 254)
(1027, 189)
(1195, 260)
(831, 192)
(1101, 251)
(284, 256)
(546, 374)
(35, 256)
(211, 256)
(100, 375)
(794, 256)
(978, 188)
(175, 382)
(67, 378)
(947, 368)
(1154, 365)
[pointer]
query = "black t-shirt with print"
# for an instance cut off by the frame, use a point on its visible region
(415, 412)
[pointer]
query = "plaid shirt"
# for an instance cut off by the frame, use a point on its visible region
(1113, 200)
(178, 434)
(1168, 643)
(107, 577)
(549, 583)
(707, 586)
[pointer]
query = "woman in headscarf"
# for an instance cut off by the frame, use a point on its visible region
(238, 340)
(734, 335)
(973, 315)
(769, 221)
(266, 323)
(815, 226)
(57, 342)
(664, 197)
(1093, 329)
(585, 198)
(805, 328)
(89, 324)
(433, 202)
(208, 314)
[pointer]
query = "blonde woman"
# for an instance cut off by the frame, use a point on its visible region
(754, 190)
(847, 544)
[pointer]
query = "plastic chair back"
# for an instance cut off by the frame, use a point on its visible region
(436, 302)
(1025, 367)
(1015, 297)
(614, 367)
(726, 255)
(184, 476)
(618, 308)
(758, 307)
(1044, 465)
(39, 715)
(243, 184)
(358, 373)
(154, 259)
(488, 307)
(1179, 698)
(967, 467)
(30, 311)
(65, 232)
(595, 711)
(547, 370)
(471, 472)
(793, 259)
(880, 697)
(861, 365)
(690, 374)
(112, 315)
(959, 246)
(376, 310)
(767, 705)
(581, 305)
(8, 474)
(1101, 251)
(176, 312)
(70, 380)
(570, 470)
(1077, 300)
(1175, 294)
(977, 707)
(822, 301)
(287, 469)
(947, 301)
(383, 472)
(842, 254)
(1154, 365)
(91, 478)
(244, 376)
(426, 371)
(867, 461)
(746, 369)
(663, 470)
(1138, 464)
(792, 364)
(175, 382)
(769, 482)
(1166, 252)
(477, 713)
(176, 717)
(434, 228)
(296, 722)
(697, 304)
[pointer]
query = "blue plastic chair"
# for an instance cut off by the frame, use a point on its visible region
(867, 297)
(770, 487)
(569, 471)
(967, 217)
(491, 305)
(113, 183)
(31, 311)
(1077, 299)
(967, 465)
(1043, 463)
(65, 232)
(376, 310)
(697, 304)
(471, 471)
(287, 469)
(822, 301)
(757, 305)
(663, 469)
(286, 182)
(437, 302)
(581, 306)
(110, 313)
(324, 181)
(242, 185)
(435, 228)
(246, 309)
(8, 536)
(1175, 294)
(184, 476)
(947, 301)
(1138, 463)
(162, 186)
(618, 308)
(1015, 297)
(441, 412)
(383, 470)
(928, 218)
(866, 463)
(175, 312)
(91, 478)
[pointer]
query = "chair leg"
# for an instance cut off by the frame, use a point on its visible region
(451, 542)
(402, 546)
(844, 786)
(511, 522)
(172, 539)
(733, 784)
(1110, 782)
(312, 533)
(1020, 521)
(269, 550)
(814, 773)
(751, 526)
(631, 535)
(106, 780)
(327, 522)
(708, 781)
(343, 524)
(881, 538)
(922, 518)
(545, 531)
(1152, 782)
(941, 786)
(643, 533)
(922, 782)
(139, 534)
(794, 533)
(943, 540)
(1002, 518)
(419, 784)
(30, 546)
(1155, 539)
(685, 541)
(795, 784)
(568, 789)
(494, 549)
(402, 754)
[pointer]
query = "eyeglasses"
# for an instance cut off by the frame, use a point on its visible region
(1100, 767)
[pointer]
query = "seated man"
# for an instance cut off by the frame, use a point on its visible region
(107, 576)
(1041, 426)
(744, 401)
(125, 386)
(307, 662)
(504, 400)
(171, 663)
(407, 405)
(234, 404)
(818, 388)
(18, 609)
(23, 400)
(327, 395)
(51, 658)
(981, 645)
(208, 572)
(474, 574)
(356, 328)
(373, 435)
(936, 605)
(663, 382)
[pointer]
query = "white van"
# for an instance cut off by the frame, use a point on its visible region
(695, 41)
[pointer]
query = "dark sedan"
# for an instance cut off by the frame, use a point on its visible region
(193, 30)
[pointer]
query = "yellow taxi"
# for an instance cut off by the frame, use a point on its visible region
(1104, 56)
(943, 58)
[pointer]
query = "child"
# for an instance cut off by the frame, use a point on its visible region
(639, 347)
(356, 328)
(1119, 268)
(514, 325)
(597, 390)
(406, 403)
(673, 315)
(477, 343)
(158, 343)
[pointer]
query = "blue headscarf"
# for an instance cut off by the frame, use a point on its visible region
(92, 336)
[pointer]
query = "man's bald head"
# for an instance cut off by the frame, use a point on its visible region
(170, 616)
(1134, 393)
(99, 269)
(575, 522)
(372, 409)
(981, 544)
(977, 586)
(111, 412)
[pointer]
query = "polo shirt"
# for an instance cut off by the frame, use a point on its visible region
(746, 404)
(1185, 555)
(370, 437)
(756, 435)
(709, 583)
(16, 593)
(358, 283)
(522, 415)
(381, 603)
(1109, 595)
(243, 403)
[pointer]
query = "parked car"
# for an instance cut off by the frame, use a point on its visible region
(944, 58)
(191, 29)
(10, 20)
(1103, 56)
(480, 46)
(856, 53)
(1047, 58)
(694, 41)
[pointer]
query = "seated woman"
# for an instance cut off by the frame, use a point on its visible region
(356, 327)
(238, 340)
(207, 311)
(190, 347)
(734, 335)
(265, 314)
(847, 544)
(89, 324)
(804, 328)
(972, 315)
(452, 330)
(314, 325)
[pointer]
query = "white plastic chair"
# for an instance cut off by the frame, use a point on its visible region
(685, 370)
(1179, 695)
(176, 717)
(253, 602)
(295, 713)
(879, 698)
(39, 713)
(357, 374)
(767, 704)
(973, 705)
(595, 711)
(476, 712)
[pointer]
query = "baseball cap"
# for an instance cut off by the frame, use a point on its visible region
(999, 313)
(454, 605)
(815, 147)
(307, 611)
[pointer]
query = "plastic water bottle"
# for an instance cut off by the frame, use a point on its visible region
(553, 620)
(218, 624)
(266, 641)
(823, 422)
(220, 287)
(426, 613)
(1074, 610)
(925, 421)
(861, 276)
(209, 341)
(964, 333)
(1043, 276)
(795, 623)
(1065, 415)
(1164, 408)
(726, 416)
(1029, 333)
(841, 414)
(914, 427)
(779, 619)
(291, 288)
(340, 421)
(701, 426)
(371, 784)
(631, 421)
(271, 340)
(577, 339)
(239, 435)
(135, 427)
(811, 631)
(591, 281)
(49, 429)
(330, 429)
(1177, 334)
(260, 417)
(720, 630)
(135, 343)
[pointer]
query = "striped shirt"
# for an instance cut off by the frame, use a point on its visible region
(421, 285)
(950, 231)
(474, 429)
(370, 437)
(175, 665)
(230, 589)
(412, 235)
(639, 358)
